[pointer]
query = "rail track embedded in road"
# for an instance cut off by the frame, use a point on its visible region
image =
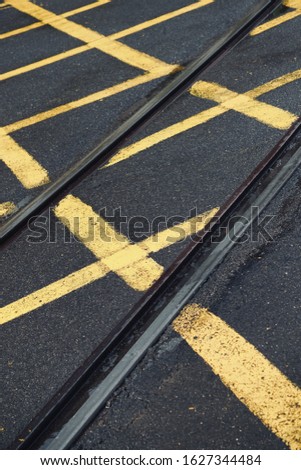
(88, 390)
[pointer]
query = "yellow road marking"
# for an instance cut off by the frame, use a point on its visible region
(28, 171)
(78, 50)
(97, 270)
(53, 291)
(100, 238)
(268, 393)
(98, 96)
(98, 41)
(215, 111)
(25, 29)
(242, 103)
(159, 136)
(281, 19)
(177, 233)
(44, 62)
(84, 8)
(6, 208)
(274, 84)
(165, 134)
(160, 19)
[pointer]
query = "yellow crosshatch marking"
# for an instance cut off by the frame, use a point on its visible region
(255, 381)
(15, 157)
(296, 4)
(100, 238)
(120, 34)
(94, 39)
(119, 255)
(244, 103)
(80, 49)
(29, 172)
(39, 24)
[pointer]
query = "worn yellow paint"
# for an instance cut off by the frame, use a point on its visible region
(6, 208)
(100, 238)
(256, 382)
(109, 46)
(296, 4)
(39, 24)
(160, 19)
(28, 171)
(97, 270)
(242, 103)
(209, 114)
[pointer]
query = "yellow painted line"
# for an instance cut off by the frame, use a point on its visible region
(255, 381)
(244, 104)
(84, 8)
(6, 208)
(165, 134)
(274, 84)
(78, 50)
(206, 116)
(44, 62)
(103, 241)
(53, 291)
(28, 171)
(98, 41)
(25, 29)
(161, 19)
(95, 271)
(177, 233)
(281, 19)
(98, 96)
